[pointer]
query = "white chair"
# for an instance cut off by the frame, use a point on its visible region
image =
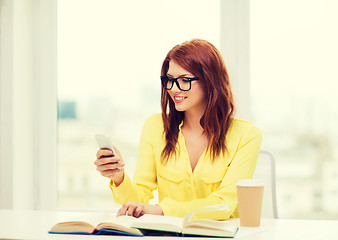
(266, 170)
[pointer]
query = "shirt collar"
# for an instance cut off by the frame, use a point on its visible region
(180, 126)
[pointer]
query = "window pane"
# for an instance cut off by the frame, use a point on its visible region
(109, 60)
(294, 70)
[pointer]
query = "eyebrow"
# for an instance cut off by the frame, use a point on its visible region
(183, 75)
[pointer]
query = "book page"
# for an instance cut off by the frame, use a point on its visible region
(122, 223)
(93, 218)
(226, 225)
(82, 223)
(123, 220)
(211, 208)
(159, 222)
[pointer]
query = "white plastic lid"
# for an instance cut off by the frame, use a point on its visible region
(250, 182)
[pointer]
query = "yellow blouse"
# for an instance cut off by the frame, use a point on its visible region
(179, 189)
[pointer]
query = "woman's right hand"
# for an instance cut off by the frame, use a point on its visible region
(111, 167)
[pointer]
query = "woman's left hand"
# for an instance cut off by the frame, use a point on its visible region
(137, 209)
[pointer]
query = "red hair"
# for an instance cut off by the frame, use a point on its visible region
(203, 60)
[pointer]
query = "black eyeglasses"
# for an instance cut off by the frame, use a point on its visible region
(183, 83)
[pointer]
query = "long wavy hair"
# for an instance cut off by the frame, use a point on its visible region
(202, 59)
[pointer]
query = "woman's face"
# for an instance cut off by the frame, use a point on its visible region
(194, 100)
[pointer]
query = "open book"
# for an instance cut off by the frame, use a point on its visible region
(98, 223)
(157, 224)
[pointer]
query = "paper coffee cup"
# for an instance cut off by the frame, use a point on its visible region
(250, 197)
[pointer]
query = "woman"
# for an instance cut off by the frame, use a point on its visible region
(194, 152)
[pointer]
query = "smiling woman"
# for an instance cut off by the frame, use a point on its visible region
(196, 135)
(211, 91)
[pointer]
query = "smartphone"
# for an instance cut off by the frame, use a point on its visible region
(104, 141)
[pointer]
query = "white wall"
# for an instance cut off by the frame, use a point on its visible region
(26, 104)
(17, 161)
(6, 105)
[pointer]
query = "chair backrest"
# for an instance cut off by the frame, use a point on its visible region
(266, 170)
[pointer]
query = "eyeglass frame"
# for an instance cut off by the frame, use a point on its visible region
(175, 80)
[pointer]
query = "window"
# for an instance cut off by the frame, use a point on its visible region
(109, 61)
(293, 68)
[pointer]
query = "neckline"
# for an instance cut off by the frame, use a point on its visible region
(200, 159)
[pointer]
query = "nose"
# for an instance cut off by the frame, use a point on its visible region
(175, 87)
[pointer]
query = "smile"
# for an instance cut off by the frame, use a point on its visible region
(179, 99)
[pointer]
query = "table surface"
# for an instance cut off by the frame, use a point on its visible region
(15, 224)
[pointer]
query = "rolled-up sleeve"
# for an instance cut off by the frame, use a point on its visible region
(144, 182)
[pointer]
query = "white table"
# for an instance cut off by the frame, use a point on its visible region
(35, 225)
